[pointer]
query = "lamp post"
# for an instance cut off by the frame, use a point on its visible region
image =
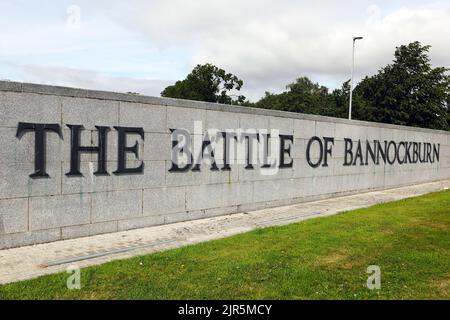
(351, 80)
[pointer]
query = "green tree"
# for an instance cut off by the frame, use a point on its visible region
(207, 83)
(407, 92)
(302, 96)
(340, 97)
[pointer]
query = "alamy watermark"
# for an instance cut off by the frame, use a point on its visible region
(74, 280)
(374, 279)
(266, 150)
(73, 17)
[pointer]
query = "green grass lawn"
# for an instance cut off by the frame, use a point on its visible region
(325, 258)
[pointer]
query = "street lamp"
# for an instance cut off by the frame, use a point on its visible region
(351, 81)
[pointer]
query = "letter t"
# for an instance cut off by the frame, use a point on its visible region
(40, 134)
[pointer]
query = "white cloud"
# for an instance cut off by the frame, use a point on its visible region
(90, 79)
(269, 43)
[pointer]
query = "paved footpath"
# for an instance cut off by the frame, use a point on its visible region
(34, 261)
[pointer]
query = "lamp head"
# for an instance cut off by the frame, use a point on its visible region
(357, 38)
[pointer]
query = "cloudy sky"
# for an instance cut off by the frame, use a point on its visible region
(143, 46)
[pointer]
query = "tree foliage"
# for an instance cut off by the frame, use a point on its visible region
(301, 96)
(407, 92)
(305, 96)
(207, 83)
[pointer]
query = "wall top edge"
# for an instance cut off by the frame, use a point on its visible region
(13, 86)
